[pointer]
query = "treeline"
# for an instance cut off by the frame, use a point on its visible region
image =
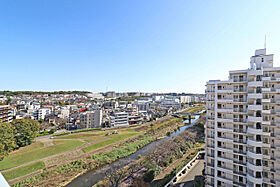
(15, 93)
(17, 134)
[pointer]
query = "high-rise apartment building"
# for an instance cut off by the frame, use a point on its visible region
(242, 127)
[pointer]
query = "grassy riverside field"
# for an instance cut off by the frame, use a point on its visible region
(24, 170)
(37, 151)
(61, 157)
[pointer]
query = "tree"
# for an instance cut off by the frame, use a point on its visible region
(7, 141)
(26, 131)
(115, 177)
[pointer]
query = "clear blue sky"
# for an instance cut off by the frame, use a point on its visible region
(129, 45)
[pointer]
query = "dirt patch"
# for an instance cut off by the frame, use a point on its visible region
(46, 141)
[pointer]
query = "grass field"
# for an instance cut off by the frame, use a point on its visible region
(95, 136)
(37, 151)
(111, 139)
(21, 171)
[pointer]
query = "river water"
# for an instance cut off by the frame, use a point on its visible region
(92, 177)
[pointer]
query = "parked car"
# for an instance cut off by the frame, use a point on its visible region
(115, 132)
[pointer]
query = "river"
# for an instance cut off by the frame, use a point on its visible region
(92, 177)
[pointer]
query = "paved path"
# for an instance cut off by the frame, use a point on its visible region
(194, 174)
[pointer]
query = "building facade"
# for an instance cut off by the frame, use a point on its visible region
(119, 119)
(91, 119)
(6, 113)
(242, 126)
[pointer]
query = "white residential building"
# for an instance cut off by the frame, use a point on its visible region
(242, 126)
(142, 105)
(119, 119)
(41, 113)
(91, 119)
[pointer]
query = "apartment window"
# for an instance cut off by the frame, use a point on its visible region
(258, 162)
(219, 163)
(258, 126)
(219, 144)
(240, 179)
(258, 138)
(258, 174)
(219, 153)
(240, 168)
(258, 101)
(262, 59)
(259, 78)
(258, 150)
(258, 114)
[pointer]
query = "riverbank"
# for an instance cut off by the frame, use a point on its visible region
(54, 176)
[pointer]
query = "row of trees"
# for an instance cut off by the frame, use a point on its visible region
(17, 134)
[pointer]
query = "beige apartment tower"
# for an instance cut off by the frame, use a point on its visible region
(243, 126)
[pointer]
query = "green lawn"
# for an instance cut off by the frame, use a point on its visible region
(21, 171)
(111, 139)
(37, 151)
(95, 136)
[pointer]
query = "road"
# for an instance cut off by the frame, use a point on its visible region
(194, 174)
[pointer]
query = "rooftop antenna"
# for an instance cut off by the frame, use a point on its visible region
(265, 41)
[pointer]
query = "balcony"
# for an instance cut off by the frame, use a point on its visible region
(224, 100)
(225, 169)
(240, 151)
(255, 84)
(254, 131)
(227, 110)
(239, 110)
(239, 100)
(254, 143)
(224, 129)
(240, 120)
(240, 80)
(267, 100)
(224, 91)
(254, 179)
(253, 154)
(254, 95)
(254, 167)
(240, 162)
(255, 72)
(240, 130)
(224, 139)
(254, 119)
(225, 120)
(241, 141)
(240, 90)
(254, 107)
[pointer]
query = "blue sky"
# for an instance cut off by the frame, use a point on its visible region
(124, 45)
